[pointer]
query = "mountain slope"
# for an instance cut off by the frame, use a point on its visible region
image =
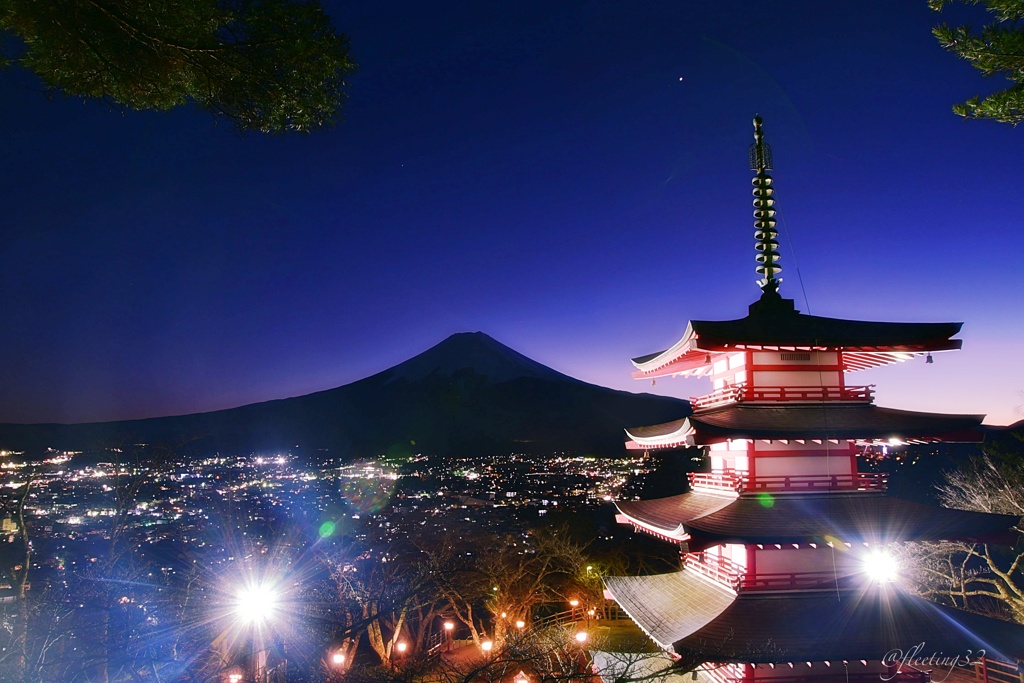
(468, 394)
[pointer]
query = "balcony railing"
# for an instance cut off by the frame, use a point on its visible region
(739, 393)
(904, 676)
(715, 567)
(731, 575)
(741, 482)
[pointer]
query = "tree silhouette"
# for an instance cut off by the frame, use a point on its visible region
(264, 65)
(998, 48)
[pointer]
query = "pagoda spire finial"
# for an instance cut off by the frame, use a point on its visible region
(765, 233)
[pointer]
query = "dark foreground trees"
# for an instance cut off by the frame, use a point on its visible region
(975, 576)
(264, 65)
(997, 49)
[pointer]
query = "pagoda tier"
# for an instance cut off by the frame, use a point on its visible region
(783, 541)
(694, 618)
(707, 519)
(773, 324)
(861, 423)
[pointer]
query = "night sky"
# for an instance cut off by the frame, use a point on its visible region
(569, 177)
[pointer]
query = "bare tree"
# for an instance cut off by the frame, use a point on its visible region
(974, 576)
(491, 584)
(385, 594)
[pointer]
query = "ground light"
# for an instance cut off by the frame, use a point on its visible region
(256, 603)
(881, 567)
(581, 636)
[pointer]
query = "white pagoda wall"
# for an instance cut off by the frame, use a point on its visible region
(779, 458)
(788, 369)
(839, 464)
(772, 560)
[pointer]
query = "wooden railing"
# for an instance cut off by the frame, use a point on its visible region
(740, 482)
(787, 580)
(989, 671)
(719, 481)
(731, 575)
(715, 567)
(738, 393)
(841, 675)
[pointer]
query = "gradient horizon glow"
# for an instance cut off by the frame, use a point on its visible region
(570, 178)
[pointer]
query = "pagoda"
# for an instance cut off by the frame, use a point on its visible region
(784, 575)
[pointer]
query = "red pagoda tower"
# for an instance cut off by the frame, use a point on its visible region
(782, 542)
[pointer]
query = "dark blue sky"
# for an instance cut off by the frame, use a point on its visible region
(569, 177)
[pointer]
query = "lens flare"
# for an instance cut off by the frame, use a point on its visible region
(256, 603)
(881, 567)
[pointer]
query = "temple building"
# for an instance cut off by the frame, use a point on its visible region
(784, 576)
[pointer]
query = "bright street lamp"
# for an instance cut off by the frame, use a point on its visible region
(256, 603)
(881, 567)
(448, 626)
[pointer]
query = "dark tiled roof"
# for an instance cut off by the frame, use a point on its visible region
(850, 518)
(703, 622)
(838, 421)
(831, 626)
(812, 518)
(669, 513)
(775, 322)
(658, 430)
(669, 606)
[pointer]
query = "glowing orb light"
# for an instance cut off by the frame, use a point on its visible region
(338, 658)
(880, 566)
(256, 603)
(581, 636)
(486, 646)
